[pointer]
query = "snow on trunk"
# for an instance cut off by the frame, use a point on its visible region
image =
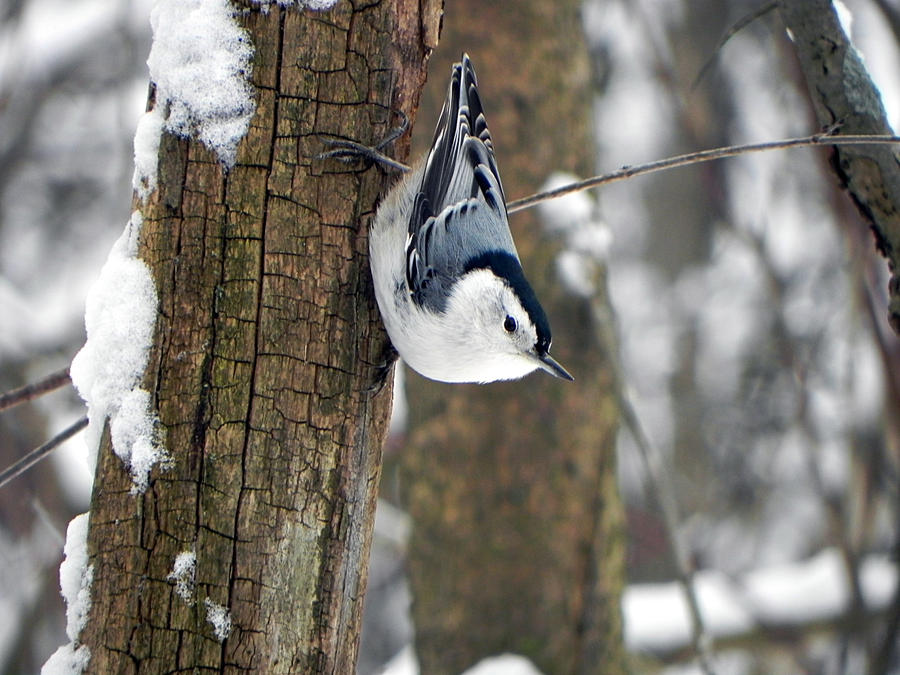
(75, 576)
(120, 316)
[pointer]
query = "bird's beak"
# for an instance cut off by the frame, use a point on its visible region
(549, 364)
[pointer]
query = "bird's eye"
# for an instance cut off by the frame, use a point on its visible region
(509, 324)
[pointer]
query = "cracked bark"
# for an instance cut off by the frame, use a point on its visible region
(842, 92)
(266, 343)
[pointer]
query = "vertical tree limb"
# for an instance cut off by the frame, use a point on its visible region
(518, 540)
(843, 94)
(264, 355)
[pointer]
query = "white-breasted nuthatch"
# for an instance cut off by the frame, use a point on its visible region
(448, 281)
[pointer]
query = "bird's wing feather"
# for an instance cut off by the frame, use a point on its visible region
(459, 210)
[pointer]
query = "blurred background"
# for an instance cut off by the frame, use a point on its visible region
(746, 299)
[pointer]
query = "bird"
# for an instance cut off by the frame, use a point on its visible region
(448, 280)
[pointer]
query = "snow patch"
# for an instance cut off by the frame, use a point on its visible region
(817, 588)
(184, 575)
(67, 660)
(316, 5)
(403, 662)
(505, 664)
(133, 431)
(146, 152)
(120, 316)
(75, 577)
(200, 63)
(792, 594)
(406, 663)
(219, 617)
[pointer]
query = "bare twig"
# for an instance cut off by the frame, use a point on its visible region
(884, 656)
(39, 453)
(31, 391)
(660, 487)
(662, 493)
(824, 138)
(738, 26)
(892, 14)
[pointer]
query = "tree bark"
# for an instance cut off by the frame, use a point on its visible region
(843, 94)
(518, 540)
(264, 354)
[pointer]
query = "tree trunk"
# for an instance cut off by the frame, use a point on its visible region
(518, 541)
(843, 94)
(264, 354)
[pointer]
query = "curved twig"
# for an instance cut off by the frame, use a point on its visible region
(824, 138)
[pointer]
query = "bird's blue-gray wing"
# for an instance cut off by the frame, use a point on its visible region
(459, 211)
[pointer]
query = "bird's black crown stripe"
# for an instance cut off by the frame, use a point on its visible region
(507, 267)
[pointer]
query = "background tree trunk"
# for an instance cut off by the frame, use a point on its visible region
(518, 540)
(843, 94)
(261, 367)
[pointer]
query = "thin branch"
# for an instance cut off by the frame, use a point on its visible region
(824, 138)
(660, 487)
(892, 14)
(662, 493)
(31, 391)
(884, 656)
(884, 346)
(39, 453)
(738, 26)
